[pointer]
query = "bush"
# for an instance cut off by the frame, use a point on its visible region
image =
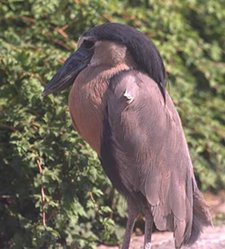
(53, 193)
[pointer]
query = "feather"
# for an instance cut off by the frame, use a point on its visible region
(150, 156)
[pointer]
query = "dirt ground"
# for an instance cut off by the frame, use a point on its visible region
(211, 238)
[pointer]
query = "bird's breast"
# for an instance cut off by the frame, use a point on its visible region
(87, 102)
(86, 105)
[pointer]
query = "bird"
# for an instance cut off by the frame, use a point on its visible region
(119, 105)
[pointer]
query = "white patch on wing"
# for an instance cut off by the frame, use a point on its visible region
(148, 245)
(128, 96)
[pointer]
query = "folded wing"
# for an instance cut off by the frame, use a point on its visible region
(145, 145)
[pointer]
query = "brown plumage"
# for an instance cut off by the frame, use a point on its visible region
(119, 105)
(87, 96)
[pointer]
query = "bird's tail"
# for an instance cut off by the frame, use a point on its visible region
(201, 217)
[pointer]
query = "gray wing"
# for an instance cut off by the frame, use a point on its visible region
(149, 148)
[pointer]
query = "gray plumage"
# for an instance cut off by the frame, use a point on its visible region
(119, 105)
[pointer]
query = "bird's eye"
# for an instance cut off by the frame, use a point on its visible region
(88, 44)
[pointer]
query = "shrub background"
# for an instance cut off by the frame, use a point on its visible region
(39, 151)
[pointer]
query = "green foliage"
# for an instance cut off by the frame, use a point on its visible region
(39, 151)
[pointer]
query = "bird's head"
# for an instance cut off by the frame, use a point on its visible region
(100, 40)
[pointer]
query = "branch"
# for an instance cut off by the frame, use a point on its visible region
(62, 44)
(61, 31)
(7, 127)
(43, 214)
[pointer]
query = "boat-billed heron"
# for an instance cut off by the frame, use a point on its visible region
(119, 104)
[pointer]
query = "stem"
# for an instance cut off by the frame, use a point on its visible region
(43, 214)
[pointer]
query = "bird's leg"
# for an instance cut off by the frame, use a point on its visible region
(148, 229)
(132, 215)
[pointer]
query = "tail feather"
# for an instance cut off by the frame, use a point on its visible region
(201, 217)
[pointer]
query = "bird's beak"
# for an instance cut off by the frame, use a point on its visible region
(67, 74)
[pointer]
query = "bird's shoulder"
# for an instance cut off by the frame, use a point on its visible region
(132, 90)
(133, 81)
